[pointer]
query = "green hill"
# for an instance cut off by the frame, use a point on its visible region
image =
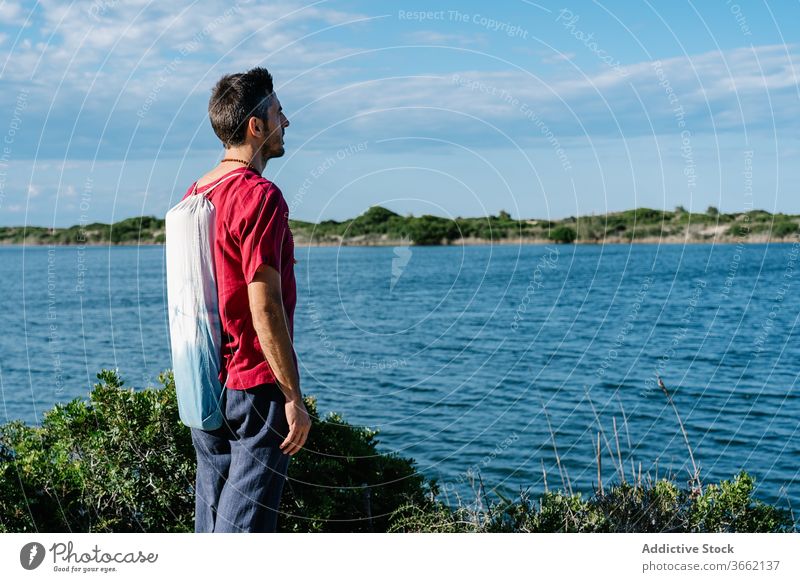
(381, 226)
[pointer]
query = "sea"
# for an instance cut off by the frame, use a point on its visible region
(498, 368)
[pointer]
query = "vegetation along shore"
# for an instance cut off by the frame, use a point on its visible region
(379, 226)
(121, 461)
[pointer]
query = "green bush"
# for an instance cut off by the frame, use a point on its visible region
(376, 220)
(429, 230)
(784, 229)
(759, 215)
(624, 508)
(738, 229)
(728, 507)
(340, 482)
(563, 234)
(123, 462)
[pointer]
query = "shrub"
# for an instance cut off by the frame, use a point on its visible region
(429, 230)
(759, 215)
(123, 462)
(784, 229)
(625, 507)
(728, 507)
(376, 220)
(563, 234)
(340, 482)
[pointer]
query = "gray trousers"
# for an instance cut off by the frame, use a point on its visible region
(241, 470)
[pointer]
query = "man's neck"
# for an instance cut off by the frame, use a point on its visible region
(249, 155)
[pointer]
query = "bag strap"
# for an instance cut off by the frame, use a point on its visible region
(221, 180)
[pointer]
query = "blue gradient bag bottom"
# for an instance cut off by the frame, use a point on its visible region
(194, 322)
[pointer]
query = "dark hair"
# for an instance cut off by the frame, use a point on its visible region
(235, 99)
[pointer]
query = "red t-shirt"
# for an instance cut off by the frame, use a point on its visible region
(252, 227)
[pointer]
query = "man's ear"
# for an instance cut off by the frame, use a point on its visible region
(256, 126)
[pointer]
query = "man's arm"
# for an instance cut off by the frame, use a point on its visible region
(269, 320)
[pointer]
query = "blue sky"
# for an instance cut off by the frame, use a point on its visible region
(450, 108)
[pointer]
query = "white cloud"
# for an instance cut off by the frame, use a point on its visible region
(550, 58)
(138, 39)
(440, 38)
(13, 13)
(97, 63)
(717, 90)
(68, 191)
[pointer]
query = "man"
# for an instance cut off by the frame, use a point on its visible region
(241, 467)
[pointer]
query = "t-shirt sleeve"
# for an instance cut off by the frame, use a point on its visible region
(262, 230)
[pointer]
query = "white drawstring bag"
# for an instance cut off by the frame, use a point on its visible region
(194, 321)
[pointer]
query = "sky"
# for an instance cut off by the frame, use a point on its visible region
(545, 110)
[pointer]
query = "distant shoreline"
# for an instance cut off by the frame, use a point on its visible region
(379, 226)
(460, 242)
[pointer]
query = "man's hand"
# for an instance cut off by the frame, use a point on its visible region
(299, 426)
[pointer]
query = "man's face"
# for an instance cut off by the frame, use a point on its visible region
(276, 124)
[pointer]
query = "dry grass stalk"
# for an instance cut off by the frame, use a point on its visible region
(619, 454)
(600, 426)
(564, 479)
(599, 467)
(696, 485)
(544, 475)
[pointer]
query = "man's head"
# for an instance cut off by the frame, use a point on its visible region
(244, 110)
